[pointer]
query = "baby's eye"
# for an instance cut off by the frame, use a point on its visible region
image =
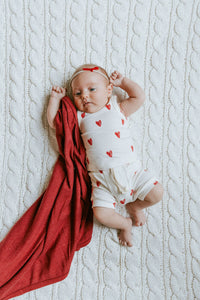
(92, 89)
(77, 93)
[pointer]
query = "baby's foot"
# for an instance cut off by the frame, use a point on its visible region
(125, 235)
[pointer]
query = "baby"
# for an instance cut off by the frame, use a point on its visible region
(115, 171)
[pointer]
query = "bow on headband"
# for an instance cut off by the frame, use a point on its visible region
(91, 69)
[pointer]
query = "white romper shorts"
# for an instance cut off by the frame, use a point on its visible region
(121, 185)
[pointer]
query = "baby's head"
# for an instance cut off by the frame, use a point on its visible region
(91, 88)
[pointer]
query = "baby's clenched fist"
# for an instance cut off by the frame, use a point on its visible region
(58, 92)
(116, 78)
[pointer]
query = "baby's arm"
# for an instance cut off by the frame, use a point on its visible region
(134, 91)
(57, 93)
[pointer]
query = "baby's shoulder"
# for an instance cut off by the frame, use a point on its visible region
(116, 105)
(115, 102)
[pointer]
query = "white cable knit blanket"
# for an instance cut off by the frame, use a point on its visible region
(157, 44)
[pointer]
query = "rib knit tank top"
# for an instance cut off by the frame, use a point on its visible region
(107, 137)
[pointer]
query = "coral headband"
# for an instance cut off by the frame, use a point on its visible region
(94, 69)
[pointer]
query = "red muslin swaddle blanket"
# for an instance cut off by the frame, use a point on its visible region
(39, 248)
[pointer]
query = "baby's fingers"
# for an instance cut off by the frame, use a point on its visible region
(57, 89)
(63, 90)
(114, 74)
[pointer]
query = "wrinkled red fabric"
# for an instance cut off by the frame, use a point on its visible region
(39, 248)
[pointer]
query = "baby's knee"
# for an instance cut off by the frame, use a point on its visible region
(158, 192)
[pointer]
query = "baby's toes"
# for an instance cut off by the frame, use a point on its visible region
(137, 223)
(129, 244)
(123, 243)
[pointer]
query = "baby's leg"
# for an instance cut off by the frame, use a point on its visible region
(109, 218)
(135, 209)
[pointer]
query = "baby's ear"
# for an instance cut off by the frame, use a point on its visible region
(110, 89)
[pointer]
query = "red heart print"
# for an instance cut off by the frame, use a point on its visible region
(90, 141)
(122, 121)
(99, 123)
(156, 182)
(117, 134)
(101, 171)
(108, 106)
(109, 153)
(98, 183)
(123, 201)
(132, 192)
(132, 148)
(114, 204)
(83, 115)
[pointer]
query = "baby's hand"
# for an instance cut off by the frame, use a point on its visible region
(58, 92)
(116, 78)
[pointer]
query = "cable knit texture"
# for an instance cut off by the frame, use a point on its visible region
(156, 43)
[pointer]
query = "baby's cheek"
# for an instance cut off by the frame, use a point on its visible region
(78, 104)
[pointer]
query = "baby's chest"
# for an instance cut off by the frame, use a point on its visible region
(100, 123)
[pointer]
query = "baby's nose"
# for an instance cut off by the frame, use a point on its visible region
(84, 96)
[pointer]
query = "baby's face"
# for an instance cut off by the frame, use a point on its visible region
(90, 91)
